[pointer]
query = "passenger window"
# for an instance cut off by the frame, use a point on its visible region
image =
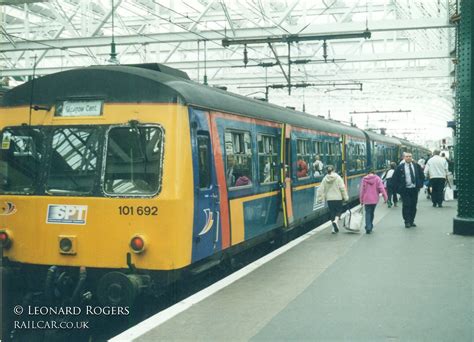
(204, 160)
(303, 156)
(317, 162)
(267, 159)
(238, 159)
(134, 160)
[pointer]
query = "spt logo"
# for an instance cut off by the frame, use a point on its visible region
(66, 214)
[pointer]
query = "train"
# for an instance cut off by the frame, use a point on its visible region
(119, 180)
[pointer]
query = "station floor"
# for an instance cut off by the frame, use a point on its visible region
(396, 284)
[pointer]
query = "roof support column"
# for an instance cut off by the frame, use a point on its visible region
(464, 221)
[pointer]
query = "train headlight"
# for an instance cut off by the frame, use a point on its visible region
(5, 239)
(67, 244)
(137, 244)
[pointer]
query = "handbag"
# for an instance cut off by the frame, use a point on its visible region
(353, 220)
(448, 194)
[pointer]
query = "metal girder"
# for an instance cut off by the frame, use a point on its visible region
(193, 26)
(177, 37)
(233, 62)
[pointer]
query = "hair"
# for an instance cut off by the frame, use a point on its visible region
(443, 154)
(329, 168)
(371, 171)
(393, 165)
(436, 152)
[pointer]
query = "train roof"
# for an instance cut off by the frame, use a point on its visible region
(411, 144)
(157, 83)
(382, 138)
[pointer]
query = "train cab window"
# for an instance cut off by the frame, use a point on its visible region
(238, 159)
(267, 159)
(73, 165)
(134, 160)
(21, 155)
(204, 160)
(303, 156)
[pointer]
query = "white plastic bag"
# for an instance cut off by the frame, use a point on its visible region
(353, 220)
(448, 194)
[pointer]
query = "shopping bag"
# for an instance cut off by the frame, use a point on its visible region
(353, 220)
(448, 194)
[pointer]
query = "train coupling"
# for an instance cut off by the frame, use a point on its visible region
(120, 289)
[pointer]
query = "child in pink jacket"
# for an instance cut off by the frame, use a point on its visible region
(370, 188)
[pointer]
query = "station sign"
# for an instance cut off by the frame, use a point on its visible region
(79, 108)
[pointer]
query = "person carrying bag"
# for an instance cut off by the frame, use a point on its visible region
(333, 190)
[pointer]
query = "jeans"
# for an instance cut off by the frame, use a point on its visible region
(369, 216)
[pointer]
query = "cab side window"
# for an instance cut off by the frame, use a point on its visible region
(204, 160)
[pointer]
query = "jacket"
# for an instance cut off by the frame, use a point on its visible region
(399, 177)
(436, 167)
(370, 188)
(332, 188)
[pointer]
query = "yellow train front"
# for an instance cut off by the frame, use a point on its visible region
(96, 184)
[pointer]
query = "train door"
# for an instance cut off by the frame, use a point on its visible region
(206, 225)
(285, 175)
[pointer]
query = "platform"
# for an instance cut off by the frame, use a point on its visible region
(395, 284)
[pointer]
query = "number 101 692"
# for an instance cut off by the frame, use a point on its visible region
(139, 211)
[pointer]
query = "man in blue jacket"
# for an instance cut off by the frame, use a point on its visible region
(408, 179)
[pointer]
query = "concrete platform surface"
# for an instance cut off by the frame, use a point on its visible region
(396, 284)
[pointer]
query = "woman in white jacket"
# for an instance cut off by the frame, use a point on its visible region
(333, 190)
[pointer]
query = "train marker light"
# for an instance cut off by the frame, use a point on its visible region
(67, 244)
(5, 239)
(137, 244)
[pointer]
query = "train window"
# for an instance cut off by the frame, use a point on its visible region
(21, 154)
(238, 159)
(73, 166)
(361, 156)
(267, 158)
(380, 156)
(318, 147)
(134, 160)
(204, 160)
(303, 156)
(317, 162)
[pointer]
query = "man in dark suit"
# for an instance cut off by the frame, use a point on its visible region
(408, 180)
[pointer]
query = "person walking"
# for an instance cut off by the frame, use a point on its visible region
(408, 180)
(391, 192)
(333, 190)
(370, 188)
(437, 170)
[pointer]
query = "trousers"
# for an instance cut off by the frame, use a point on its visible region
(437, 195)
(410, 200)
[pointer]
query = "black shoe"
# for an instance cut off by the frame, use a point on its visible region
(434, 205)
(440, 205)
(335, 227)
(368, 231)
(407, 225)
(412, 225)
